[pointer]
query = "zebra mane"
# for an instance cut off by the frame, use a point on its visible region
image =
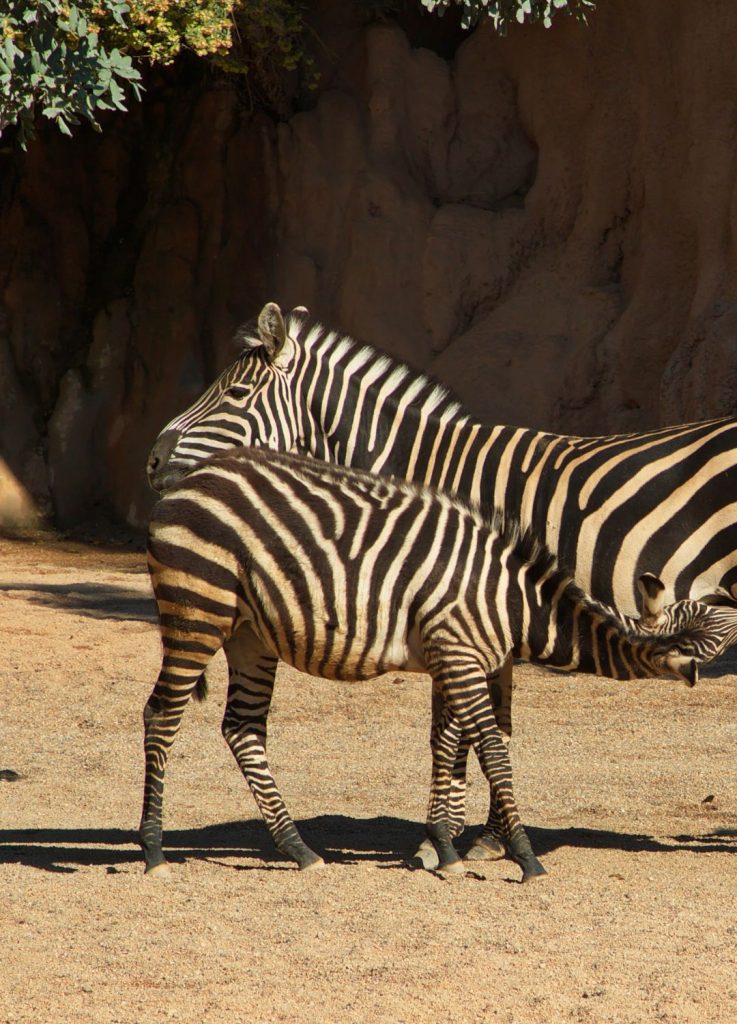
(540, 562)
(246, 335)
(318, 338)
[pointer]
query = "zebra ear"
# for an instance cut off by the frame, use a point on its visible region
(298, 316)
(652, 595)
(271, 329)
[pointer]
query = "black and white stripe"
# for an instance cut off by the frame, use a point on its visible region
(346, 575)
(611, 508)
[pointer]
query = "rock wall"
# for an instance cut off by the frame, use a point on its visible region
(130, 260)
(546, 222)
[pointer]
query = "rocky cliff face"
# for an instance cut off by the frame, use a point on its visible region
(545, 222)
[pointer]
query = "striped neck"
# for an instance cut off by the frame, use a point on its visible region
(363, 408)
(555, 624)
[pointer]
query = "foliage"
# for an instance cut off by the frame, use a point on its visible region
(51, 58)
(504, 13)
(161, 29)
(70, 59)
(271, 39)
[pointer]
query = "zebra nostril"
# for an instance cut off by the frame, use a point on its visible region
(153, 462)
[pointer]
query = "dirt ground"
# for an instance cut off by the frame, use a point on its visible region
(629, 792)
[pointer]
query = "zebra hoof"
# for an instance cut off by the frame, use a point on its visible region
(162, 870)
(426, 856)
(486, 849)
(311, 862)
(533, 871)
(452, 869)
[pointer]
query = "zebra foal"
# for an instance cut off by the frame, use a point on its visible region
(346, 575)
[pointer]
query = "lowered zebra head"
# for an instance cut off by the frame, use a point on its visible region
(250, 403)
(711, 623)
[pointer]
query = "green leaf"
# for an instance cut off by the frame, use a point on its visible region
(72, 22)
(117, 95)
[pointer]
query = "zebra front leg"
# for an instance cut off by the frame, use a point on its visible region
(251, 672)
(437, 850)
(489, 844)
(467, 695)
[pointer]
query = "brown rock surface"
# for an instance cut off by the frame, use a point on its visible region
(543, 221)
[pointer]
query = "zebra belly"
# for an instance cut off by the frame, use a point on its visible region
(331, 651)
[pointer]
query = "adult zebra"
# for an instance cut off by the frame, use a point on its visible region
(610, 508)
(346, 575)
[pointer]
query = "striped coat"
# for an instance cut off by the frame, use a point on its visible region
(346, 575)
(610, 508)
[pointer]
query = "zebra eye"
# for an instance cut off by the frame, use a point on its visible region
(239, 390)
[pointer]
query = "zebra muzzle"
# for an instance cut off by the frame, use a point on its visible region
(683, 667)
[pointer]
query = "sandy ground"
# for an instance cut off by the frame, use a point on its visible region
(629, 792)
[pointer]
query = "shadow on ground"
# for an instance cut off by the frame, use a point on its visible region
(96, 600)
(341, 840)
(725, 665)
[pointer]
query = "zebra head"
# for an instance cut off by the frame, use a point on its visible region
(710, 623)
(250, 403)
(321, 393)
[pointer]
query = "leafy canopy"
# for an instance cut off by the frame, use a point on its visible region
(51, 57)
(71, 59)
(504, 13)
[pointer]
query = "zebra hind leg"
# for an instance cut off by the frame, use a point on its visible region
(193, 628)
(251, 672)
(162, 717)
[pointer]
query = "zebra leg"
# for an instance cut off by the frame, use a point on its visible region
(437, 850)
(489, 844)
(162, 717)
(448, 740)
(251, 672)
(467, 695)
(192, 631)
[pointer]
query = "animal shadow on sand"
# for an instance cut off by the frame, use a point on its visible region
(94, 600)
(386, 842)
